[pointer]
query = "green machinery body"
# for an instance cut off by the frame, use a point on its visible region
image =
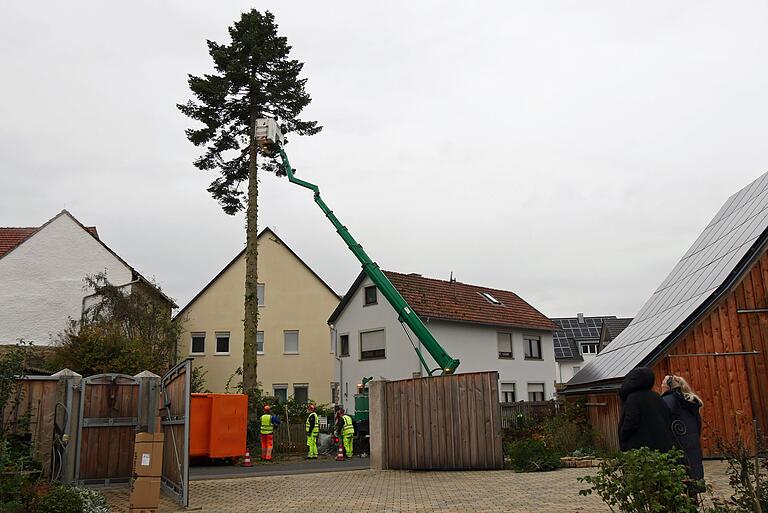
(446, 364)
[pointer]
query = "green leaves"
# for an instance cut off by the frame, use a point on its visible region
(254, 78)
(643, 481)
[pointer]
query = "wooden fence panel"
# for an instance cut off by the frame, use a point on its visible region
(31, 412)
(444, 422)
(510, 411)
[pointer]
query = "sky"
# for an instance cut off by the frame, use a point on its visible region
(569, 151)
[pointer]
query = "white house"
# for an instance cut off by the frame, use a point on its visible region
(487, 329)
(41, 277)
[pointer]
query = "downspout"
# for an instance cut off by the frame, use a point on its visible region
(334, 337)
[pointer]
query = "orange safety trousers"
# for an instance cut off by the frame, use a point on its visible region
(266, 447)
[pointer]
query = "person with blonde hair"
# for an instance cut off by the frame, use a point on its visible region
(685, 409)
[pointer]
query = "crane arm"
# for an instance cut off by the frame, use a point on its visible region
(447, 365)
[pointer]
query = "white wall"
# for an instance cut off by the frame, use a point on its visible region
(41, 281)
(476, 347)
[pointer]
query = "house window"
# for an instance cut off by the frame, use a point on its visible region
(259, 342)
(532, 348)
(589, 348)
(489, 297)
(370, 295)
(536, 392)
(505, 345)
(508, 393)
(301, 392)
(372, 345)
(280, 392)
(260, 294)
(343, 345)
(335, 399)
(198, 343)
(222, 342)
(576, 370)
(291, 342)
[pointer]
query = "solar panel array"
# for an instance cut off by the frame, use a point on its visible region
(704, 267)
(570, 328)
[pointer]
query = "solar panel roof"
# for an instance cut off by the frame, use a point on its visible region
(570, 330)
(704, 268)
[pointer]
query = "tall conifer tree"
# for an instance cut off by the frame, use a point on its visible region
(254, 78)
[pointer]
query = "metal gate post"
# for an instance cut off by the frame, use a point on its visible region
(68, 382)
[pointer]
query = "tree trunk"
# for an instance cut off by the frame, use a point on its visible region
(251, 320)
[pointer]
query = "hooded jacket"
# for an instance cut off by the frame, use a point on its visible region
(645, 419)
(686, 427)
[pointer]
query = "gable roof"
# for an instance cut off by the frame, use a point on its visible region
(570, 330)
(459, 302)
(265, 231)
(12, 238)
(613, 326)
(716, 260)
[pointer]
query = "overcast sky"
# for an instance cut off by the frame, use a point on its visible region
(567, 151)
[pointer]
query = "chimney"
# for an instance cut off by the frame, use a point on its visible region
(580, 317)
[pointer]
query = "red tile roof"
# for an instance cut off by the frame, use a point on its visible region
(439, 299)
(12, 237)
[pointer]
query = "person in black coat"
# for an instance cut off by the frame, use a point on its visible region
(684, 406)
(645, 419)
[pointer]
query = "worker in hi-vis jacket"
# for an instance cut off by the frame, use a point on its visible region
(346, 431)
(312, 427)
(268, 423)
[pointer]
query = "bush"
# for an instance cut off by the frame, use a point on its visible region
(93, 501)
(642, 481)
(62, 499)
(746, 475)
(532, 456)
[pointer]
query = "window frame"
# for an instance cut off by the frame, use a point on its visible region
(285, 332)
(526, 346)
(360, 344)
(543, 391)
(340, 349)
(504, 393)
(375, 295)
(257, 342)
(263, 288)
(503, 355)
(591, 345)
(192, 337)
(220, 334)
(301, 385)
(280, 386)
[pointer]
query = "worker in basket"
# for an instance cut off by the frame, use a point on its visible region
(346, 431)
(312, 427)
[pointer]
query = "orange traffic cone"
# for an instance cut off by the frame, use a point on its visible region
(247, 459)
(340, 454)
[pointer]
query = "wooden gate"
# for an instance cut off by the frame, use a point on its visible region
(442, 423)
(108, 418)
(174, 415)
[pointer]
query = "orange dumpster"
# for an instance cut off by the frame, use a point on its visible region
(218, 424)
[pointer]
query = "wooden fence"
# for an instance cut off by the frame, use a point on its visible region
(539, 409)
(437, 423)
(31, 412)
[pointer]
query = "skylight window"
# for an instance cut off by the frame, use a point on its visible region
(488, 297)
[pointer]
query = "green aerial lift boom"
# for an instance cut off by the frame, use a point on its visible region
(268, 134)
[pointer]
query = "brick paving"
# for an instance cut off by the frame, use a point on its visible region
(371, 491)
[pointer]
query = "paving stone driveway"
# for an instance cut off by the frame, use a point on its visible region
(398, 492)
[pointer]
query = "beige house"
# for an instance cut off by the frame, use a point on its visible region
(295, 356)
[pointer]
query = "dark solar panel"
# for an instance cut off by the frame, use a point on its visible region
(570, 328)
(704, 267)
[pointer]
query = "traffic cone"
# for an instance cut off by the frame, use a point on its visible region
(340, 454)
(247, 459)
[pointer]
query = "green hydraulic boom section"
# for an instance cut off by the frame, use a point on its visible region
(406, 314)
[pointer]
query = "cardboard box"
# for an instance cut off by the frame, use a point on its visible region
(148, 455)
(145, 493)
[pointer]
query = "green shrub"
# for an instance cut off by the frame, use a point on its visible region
(641, 481)
(62, 499)
(532, 456)
(93, 501)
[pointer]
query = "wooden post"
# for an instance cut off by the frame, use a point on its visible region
(149, 390)
(377, 410)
